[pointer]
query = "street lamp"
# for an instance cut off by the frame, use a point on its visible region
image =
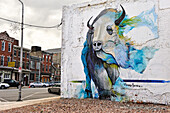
(20, 68)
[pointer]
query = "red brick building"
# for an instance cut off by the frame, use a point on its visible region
(6, 49)
(56, 65)
(41, 62)
(25, 64)
(36, 65)
(46, 66)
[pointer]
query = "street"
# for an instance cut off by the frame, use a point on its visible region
(7, 95)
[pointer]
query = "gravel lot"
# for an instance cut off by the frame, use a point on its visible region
(90, 106)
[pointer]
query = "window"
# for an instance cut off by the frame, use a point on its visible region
(46, 68)
(12, 81)
(3, 46)
(27, 65)
(38, 65)
(23, 65)
(32, 64)
(49, 68)
(46, 58)
(8, 59)
(18, 53)
(49, 58)
(31, 76)
(9, 47)
(37, 77)
(27, 55)
(2, 60)
(18, 64)
(7, 76)
(15, 63)
(43, 67)
(43, 58)
(23, 54)
(15, 53)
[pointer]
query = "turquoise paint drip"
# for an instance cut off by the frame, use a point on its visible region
(119, 87)
(94, 90)
(80, 91)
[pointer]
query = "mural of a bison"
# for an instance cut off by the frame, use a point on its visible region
(106, 50)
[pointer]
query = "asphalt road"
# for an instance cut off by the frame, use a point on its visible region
(7, 95)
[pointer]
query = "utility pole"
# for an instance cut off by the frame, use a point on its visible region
(20, 68)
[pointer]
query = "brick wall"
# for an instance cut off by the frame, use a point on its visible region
(4, 37)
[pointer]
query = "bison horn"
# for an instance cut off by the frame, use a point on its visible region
(88, 25)
(117, 22)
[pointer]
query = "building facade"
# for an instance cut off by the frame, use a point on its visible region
(25, 64)
(56, 65)
(36, 65)
(46, 64)
(6, 48)
(41, 62)
(35, 68)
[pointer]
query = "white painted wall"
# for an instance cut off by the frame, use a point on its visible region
(74, 31)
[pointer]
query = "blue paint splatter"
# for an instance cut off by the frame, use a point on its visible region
(139, 58)
(146, 18)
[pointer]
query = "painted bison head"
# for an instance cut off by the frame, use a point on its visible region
(105, 33)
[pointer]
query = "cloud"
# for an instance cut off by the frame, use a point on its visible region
(36, 12)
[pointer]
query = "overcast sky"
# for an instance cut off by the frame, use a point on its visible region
(36, 12)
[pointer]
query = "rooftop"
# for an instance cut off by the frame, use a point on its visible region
(55, 50)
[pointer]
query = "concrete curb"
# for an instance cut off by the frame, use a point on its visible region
(10, 105)
(17, 88)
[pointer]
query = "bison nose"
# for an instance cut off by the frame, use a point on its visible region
(97, 45)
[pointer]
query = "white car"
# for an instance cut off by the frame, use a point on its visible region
(4, 85)
(38, 84)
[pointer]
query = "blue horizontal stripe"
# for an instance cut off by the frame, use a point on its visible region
(148, 81)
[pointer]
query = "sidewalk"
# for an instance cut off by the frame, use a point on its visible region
(10, 105)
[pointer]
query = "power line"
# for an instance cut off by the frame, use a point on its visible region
(55, 26)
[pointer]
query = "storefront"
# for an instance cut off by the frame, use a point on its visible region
(25, 75)
(45, 78)
(5, 73)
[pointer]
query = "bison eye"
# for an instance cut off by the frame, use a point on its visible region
(109, 30)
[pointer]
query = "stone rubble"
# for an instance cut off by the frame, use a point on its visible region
(89, 106)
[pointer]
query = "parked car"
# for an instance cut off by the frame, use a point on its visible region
(55, 89)
(50, 83)
(12, 82)
(56, 82)
(4, 85)
(38, 84)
